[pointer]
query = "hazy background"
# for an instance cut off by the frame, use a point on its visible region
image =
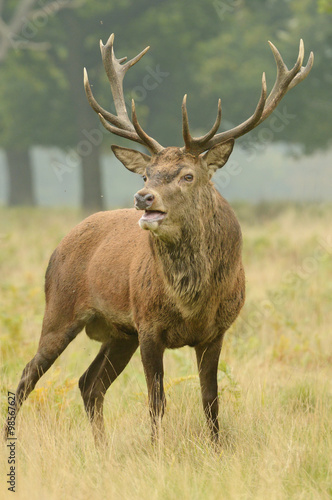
(53, 150)
(275, 371)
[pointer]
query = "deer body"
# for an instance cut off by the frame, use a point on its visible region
(117, 281)
(165, 279)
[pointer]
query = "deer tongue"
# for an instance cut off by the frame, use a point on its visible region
(153, 215)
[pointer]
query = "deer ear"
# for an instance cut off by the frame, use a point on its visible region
(135, 161)
(217, 156)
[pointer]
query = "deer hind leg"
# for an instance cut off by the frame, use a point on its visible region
(152, 358)
(111, 360)
(207, 362)
(53, 341)
(51, 345)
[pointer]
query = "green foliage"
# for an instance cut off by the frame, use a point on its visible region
(325, 6)
(37, 92)
(209, 50)
(234, 61)
(226, 380)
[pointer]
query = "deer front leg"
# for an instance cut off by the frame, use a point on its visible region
(152, 358)
(207, 361)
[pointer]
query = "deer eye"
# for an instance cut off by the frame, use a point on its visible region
(188, 177)
(144, 178)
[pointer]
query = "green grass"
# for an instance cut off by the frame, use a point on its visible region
(275, 379)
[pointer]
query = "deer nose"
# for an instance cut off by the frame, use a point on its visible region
(143, 201)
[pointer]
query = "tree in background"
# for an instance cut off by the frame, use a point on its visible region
(19, 26)
(220, 49)
(44, 91)
(244, 55)
(208, 50)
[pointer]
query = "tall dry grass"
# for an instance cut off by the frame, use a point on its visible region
(274, 379)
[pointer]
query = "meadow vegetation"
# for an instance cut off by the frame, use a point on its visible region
(275, 378)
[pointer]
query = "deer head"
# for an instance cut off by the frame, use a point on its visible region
(178, 178)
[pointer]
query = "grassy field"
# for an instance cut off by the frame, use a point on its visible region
(275, 379)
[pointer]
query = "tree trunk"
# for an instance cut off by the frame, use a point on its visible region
(21, 190)
(88, 139)
(92, 198)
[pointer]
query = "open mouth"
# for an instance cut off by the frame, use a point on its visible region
(151, 219)
(153, 216)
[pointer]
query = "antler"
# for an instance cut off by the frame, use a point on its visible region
(286, 79)
(120, 123)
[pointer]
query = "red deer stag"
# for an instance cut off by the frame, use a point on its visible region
(180, 282)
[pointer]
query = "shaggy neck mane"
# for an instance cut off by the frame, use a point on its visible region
(200, 260)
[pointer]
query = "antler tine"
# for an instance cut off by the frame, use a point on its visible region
(303, 73)
(196, 144)
(214, 128)
(120, 132)
(120, 123)
(146, 139)
(116, 72)
(185, 125)
(244, 127)
(96, 107)
(284, 75)
(286, 79)
(135, 59)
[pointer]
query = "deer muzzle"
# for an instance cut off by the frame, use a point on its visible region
(143, 201)
(154, 214)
